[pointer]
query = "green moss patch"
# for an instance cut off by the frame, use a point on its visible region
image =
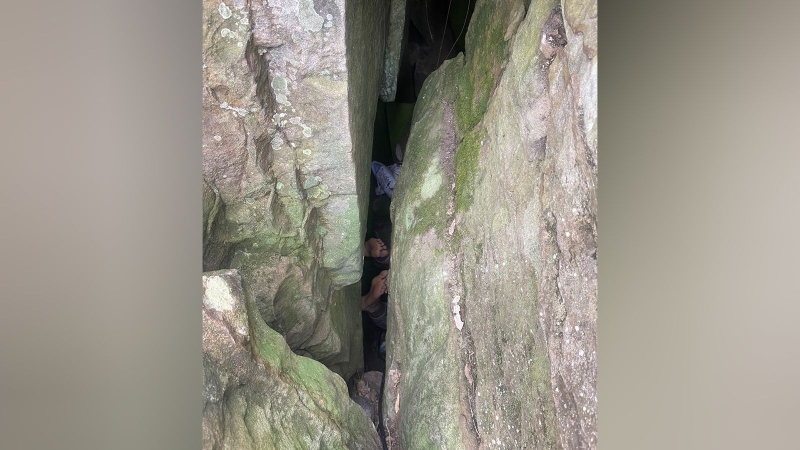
(486, 49)
(467, 156)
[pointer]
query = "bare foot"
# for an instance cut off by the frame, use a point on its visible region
(375, 248)
(377, 289)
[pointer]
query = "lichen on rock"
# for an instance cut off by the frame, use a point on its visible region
(492, 317)
(257, 394)
(395, 45)
(290, 92)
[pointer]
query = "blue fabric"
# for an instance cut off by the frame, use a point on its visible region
(386, 177)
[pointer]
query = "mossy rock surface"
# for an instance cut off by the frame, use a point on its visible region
(257, 393)
(289, 99)
(492, 317)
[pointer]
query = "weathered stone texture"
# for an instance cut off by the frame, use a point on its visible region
(288, 104)
(492, 332)
(257, 394)
(568, 283)
(395, 40)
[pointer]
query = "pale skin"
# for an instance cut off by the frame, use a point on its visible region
(375, 248)
(378, 288)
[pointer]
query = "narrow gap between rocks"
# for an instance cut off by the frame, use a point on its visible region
(436, 32)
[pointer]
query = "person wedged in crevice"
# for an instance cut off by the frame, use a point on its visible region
(376, 249)
(374, 290)
(375, 294)
(371, 301)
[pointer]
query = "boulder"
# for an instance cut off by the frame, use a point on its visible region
(366, 392)
(257, 394)
(491, 338)
(290, 90)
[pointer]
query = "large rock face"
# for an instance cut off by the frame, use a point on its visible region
(257, 394)
(492, 312)
(289, 98)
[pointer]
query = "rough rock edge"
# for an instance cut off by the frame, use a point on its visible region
(395, 44)
(271, 354)
(572, 241)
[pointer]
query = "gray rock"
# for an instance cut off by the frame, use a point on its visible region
(289, 101)
(257, 394)
(398, 32)
(367, 406)
(367, 391)
(492, 311)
